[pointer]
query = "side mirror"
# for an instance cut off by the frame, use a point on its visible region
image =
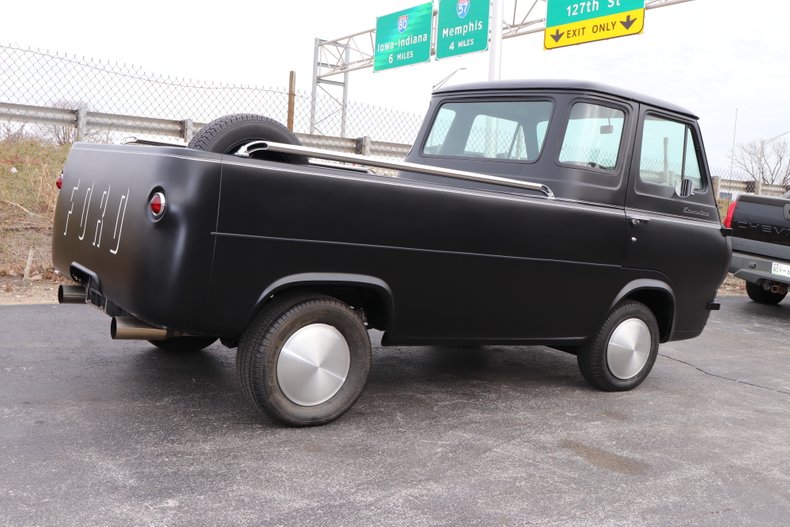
(685, 188)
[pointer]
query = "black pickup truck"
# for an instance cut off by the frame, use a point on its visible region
(761, 245)
(565, 214)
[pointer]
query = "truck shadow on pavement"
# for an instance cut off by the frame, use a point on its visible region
(206, 381)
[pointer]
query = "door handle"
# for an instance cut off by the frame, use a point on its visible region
(638, 221)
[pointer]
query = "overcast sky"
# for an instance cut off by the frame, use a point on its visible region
(710, 56)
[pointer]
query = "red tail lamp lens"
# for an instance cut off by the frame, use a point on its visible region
(59, 181)
(730, 212)
(158, 204)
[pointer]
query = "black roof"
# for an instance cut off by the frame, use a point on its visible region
(569, 85)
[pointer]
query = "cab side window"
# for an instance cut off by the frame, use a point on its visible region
(593, 137)
(669, 153)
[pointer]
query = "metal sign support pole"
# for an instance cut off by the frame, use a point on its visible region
(343, 114)
(495, 47)
(314, 94)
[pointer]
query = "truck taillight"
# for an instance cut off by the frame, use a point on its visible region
(158, 204)
(59, 181)
(730, 212)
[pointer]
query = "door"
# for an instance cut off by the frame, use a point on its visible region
(674, 231)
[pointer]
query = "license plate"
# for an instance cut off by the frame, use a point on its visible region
(780, 269)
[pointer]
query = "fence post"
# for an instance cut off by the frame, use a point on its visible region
(291, 99)
(187, 130)
(362, 145)
(758, 186)
(82, 125)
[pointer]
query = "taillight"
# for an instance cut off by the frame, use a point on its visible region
(59, 181)
(158, 204)
(730, 212)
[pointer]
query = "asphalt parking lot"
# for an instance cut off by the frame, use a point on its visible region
(102, 432)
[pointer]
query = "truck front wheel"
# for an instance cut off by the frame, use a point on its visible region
(304, 360)
(762, 296)
(620, 356)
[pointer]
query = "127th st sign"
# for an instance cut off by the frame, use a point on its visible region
(570, 22)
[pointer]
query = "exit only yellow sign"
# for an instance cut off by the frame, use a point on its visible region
(592, 29)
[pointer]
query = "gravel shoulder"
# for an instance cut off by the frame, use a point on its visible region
(37, 290)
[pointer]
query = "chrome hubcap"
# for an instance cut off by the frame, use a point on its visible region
(313, 364)
(629, 348)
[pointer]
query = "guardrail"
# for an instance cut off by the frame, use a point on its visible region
(83, 120)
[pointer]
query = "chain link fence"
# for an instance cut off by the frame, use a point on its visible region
(119, 99)
(47, 96)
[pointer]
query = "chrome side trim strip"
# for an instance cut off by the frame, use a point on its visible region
(673, 218)
(258, 146)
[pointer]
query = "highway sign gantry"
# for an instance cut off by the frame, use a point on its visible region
(403, 37)
(571, 22)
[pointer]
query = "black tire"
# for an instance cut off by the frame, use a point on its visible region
(227, 134)
(624, 367)
(183, 344)
(761, 296)
(260, 359)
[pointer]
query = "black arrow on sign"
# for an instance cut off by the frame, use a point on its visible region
(557, 36)
(628, 22)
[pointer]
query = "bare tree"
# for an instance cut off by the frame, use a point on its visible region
(767, 161)
(13, 133)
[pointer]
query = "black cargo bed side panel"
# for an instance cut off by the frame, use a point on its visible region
(156, 270)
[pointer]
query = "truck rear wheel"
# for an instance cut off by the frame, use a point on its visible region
(304, 360)
(761, 296)
(227, 134)
(620, 356)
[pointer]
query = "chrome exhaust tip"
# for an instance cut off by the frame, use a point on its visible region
(130, 328)
(72, 294)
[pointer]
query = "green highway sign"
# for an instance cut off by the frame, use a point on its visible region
(403, 38)
(462, 27)
(570, 22)
(561, 12)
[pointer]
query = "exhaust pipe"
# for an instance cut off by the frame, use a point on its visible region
(130, 328)
(72, 294)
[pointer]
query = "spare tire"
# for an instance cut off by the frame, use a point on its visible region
(229, 133)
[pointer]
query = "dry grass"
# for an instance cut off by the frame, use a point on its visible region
(28, 170)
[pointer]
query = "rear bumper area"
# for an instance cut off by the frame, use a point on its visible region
(123, 326)
(755, 269)
(130, 261)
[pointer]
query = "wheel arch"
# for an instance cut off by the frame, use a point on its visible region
(368, 293)
(658, 297)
